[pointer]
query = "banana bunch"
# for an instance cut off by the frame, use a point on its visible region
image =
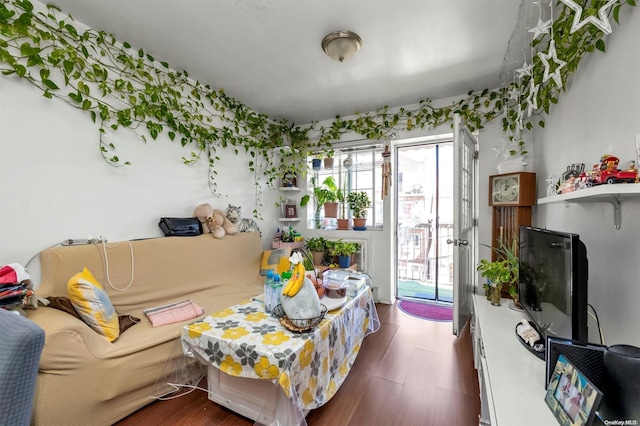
(296, 281)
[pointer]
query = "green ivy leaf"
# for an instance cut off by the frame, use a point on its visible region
(600, 45)
(50, 84)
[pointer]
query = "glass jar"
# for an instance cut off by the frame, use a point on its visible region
(495, 295)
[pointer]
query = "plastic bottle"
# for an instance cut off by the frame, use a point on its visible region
(268, 284)
(276, 288)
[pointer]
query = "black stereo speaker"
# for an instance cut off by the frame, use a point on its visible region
(588, 358)
(621, 384)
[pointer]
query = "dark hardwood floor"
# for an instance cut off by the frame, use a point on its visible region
(411, 372)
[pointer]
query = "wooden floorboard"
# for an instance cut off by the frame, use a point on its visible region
(411, 372)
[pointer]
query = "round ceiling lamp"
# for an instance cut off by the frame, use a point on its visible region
(341, 45)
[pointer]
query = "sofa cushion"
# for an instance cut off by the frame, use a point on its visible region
(93, 305)
(64, 304)
(275, 260)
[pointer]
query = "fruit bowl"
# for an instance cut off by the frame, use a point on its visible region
(298, 324)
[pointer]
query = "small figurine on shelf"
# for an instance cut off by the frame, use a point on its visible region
(552, 185)
(607, 171)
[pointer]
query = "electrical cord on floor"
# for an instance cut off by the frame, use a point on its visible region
(177, 386)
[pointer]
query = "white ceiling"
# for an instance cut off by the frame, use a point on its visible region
(267, 53)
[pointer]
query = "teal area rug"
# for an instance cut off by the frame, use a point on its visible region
(423, 290)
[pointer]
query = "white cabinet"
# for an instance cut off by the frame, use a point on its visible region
(511, 379)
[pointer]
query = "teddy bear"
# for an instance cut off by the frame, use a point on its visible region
(214, 221)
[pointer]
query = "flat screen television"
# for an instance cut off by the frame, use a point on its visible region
(553, 282)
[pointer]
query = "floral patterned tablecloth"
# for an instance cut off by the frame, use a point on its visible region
(310, 366)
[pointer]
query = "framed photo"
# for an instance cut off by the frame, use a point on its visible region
(572, 398)
(290, 211)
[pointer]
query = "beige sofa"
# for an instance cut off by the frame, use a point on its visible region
(85, 379)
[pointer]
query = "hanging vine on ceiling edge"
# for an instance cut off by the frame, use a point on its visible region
(119, 86)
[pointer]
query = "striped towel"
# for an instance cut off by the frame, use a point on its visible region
(173, 312)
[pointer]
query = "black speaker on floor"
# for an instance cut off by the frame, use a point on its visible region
(621, 384)
(586, 357)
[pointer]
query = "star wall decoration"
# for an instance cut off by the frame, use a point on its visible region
(541, 28)
(603, 23)
(514, 93)
(524, 70)
(501, 149)
(532, 99)
(544, 57)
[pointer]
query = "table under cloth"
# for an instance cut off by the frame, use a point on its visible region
(309, 367)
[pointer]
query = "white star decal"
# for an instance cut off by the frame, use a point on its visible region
(602, 23)
(501, 149)
(514, 93)
(532, 99)
(544, 57)
(541, 28)
(525, 70)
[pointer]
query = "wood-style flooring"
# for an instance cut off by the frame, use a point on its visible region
(411, 372)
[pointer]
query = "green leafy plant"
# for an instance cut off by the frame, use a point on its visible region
(316, 244)
(120, 86)
(323, 193)
(359, 202)
(341, 248)
(505, 270)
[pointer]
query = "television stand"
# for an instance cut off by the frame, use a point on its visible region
(539, 346)
(511, 381)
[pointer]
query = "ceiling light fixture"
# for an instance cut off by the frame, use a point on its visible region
(341, 45)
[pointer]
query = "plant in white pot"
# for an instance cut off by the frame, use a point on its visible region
(359, 203)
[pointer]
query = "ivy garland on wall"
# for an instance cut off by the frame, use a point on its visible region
(119, 86)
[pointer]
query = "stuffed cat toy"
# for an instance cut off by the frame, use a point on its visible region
(243, 224)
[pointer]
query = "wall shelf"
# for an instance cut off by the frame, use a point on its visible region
(289, 189)
(612, 194)
(289, 219)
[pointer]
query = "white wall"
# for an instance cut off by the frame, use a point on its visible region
(55, 185)
(600, 113)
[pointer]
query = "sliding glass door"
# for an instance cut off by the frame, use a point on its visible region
(424, 192)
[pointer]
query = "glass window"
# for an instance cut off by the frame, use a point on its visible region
(354, 169)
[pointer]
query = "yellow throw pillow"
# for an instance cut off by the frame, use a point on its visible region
(93, 305)
(276, 260)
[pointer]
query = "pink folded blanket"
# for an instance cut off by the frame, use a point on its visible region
(174, 312)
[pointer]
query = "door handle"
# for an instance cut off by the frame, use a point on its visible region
(458, 242)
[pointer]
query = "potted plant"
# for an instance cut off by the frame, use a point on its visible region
(343, 250)
(359, 202)
(501, 272)
(317, 247)
(325, 196)
(328, 160)
(316, 163)
(331, 197)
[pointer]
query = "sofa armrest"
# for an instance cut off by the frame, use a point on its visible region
(68, 340)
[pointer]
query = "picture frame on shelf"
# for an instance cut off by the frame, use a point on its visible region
(572, 398)
(290, 211)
